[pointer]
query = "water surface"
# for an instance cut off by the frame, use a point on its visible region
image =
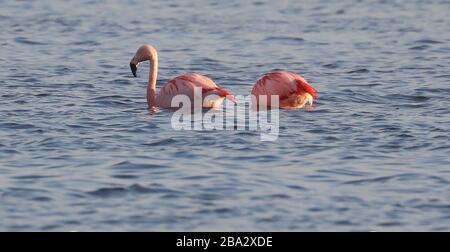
(80, 151)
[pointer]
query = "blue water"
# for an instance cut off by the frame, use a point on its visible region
(80, 151)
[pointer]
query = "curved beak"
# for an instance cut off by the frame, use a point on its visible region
(133, 69)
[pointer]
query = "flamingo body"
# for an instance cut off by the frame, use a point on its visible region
(185, 84)
(292, 89)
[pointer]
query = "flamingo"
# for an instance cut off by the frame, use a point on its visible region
(293, 90)
(212, 95)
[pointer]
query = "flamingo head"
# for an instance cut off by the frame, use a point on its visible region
(144, 53)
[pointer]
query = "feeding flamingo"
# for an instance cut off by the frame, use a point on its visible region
(181, 85)
(293, 90)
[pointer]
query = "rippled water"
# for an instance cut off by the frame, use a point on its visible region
(80, 151)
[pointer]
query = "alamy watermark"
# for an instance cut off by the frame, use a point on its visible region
(244, 116)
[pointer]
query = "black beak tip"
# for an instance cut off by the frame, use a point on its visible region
(133, 69)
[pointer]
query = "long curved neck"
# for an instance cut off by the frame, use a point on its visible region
(144, 53)
(153, 75)
(151, 87)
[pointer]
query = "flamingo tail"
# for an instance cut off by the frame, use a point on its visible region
(304, 86)
(224, 93)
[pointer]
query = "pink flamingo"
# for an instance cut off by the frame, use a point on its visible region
(181, 85)
(293, 90)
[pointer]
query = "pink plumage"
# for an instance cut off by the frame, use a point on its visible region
(292, 89)
(185, 84)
